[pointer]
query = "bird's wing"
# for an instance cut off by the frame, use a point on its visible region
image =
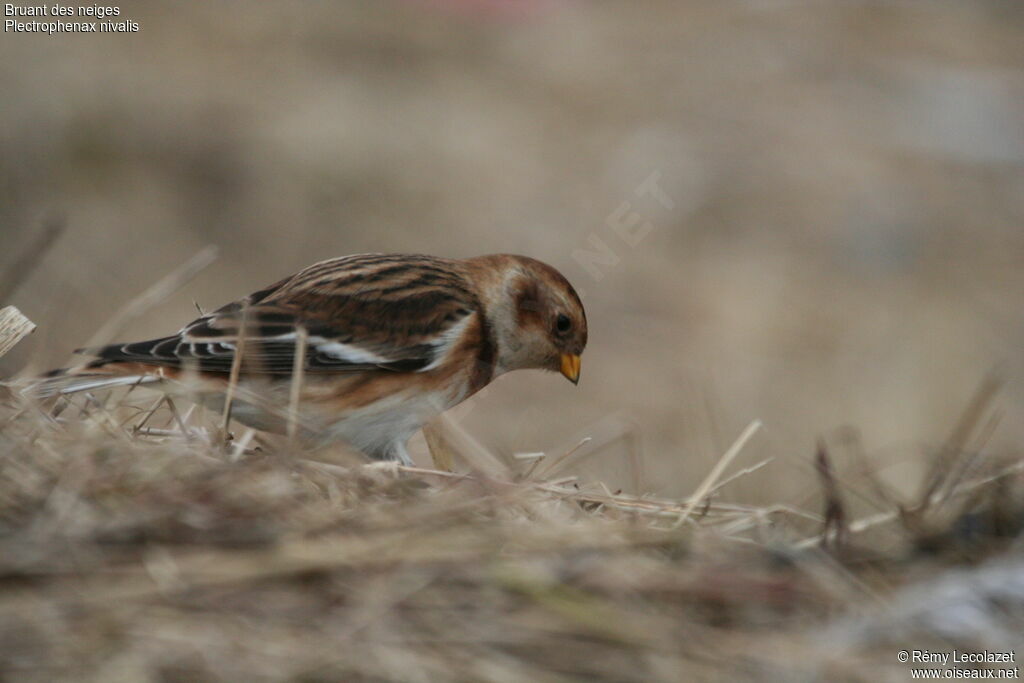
(357, 313)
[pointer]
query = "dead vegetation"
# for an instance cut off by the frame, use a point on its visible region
(144, 540)
(136, 543)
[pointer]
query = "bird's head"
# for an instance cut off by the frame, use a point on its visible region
(538, 318)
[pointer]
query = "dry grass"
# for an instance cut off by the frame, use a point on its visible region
(137, 545)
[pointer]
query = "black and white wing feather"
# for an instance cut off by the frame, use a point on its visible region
(365, 312)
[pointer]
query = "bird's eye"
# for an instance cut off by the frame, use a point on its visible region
(562, 323)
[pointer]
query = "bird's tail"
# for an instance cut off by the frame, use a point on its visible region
(66, 381)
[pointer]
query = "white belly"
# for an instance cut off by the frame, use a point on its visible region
(380, 429)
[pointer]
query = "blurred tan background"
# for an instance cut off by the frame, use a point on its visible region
(842, 243)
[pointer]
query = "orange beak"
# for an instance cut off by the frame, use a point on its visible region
(571, 367)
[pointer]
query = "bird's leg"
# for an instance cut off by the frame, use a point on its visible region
(402, 455)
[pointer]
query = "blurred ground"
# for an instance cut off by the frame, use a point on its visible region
(846, 180)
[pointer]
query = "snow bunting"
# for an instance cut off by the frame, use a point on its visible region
(384, 342)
